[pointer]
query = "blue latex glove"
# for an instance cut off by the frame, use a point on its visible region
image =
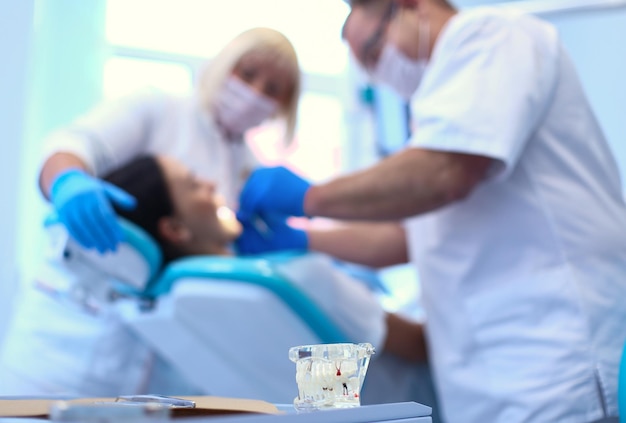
(84, 206)
(269, 233)
(275, 190)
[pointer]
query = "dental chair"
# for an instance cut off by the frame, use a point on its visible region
(226, 323)
(127, 272)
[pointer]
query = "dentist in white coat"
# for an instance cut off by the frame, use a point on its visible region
(512, 205)
(254, 78)
(57, 347)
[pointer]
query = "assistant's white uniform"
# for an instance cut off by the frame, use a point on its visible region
(152, 122)
(524, 280)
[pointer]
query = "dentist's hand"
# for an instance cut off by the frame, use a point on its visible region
(273, 190)
(84, 206)
(270, 233)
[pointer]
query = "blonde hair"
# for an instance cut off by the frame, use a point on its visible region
(257, 40)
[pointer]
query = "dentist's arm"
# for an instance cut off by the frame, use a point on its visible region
(370, 244)
(96, 143)
(84, 203)
(406, 184)
(373, 244)
(56, 164)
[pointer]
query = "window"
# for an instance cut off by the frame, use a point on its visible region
(200, 28)
(156, 49)
(123, 75)
(315, 151)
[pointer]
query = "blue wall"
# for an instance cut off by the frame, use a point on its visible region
(595, 40)
(16, 22)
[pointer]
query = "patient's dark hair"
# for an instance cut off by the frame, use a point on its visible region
(143, 179)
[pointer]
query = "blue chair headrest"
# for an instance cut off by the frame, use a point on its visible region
(137, 261)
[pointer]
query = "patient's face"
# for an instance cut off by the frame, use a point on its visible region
(197, 204)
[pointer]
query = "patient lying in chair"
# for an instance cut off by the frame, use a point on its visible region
(55, 348)
(188, 217)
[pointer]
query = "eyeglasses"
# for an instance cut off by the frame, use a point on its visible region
(371, 48)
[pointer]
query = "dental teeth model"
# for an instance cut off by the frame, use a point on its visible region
(330, 375)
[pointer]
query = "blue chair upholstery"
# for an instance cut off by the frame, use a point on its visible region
(259, 271)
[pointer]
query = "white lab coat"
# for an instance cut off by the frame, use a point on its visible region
(152, 122)
(524, 280)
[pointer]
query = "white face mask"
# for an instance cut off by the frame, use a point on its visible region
(399, 72)
(238, 107)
